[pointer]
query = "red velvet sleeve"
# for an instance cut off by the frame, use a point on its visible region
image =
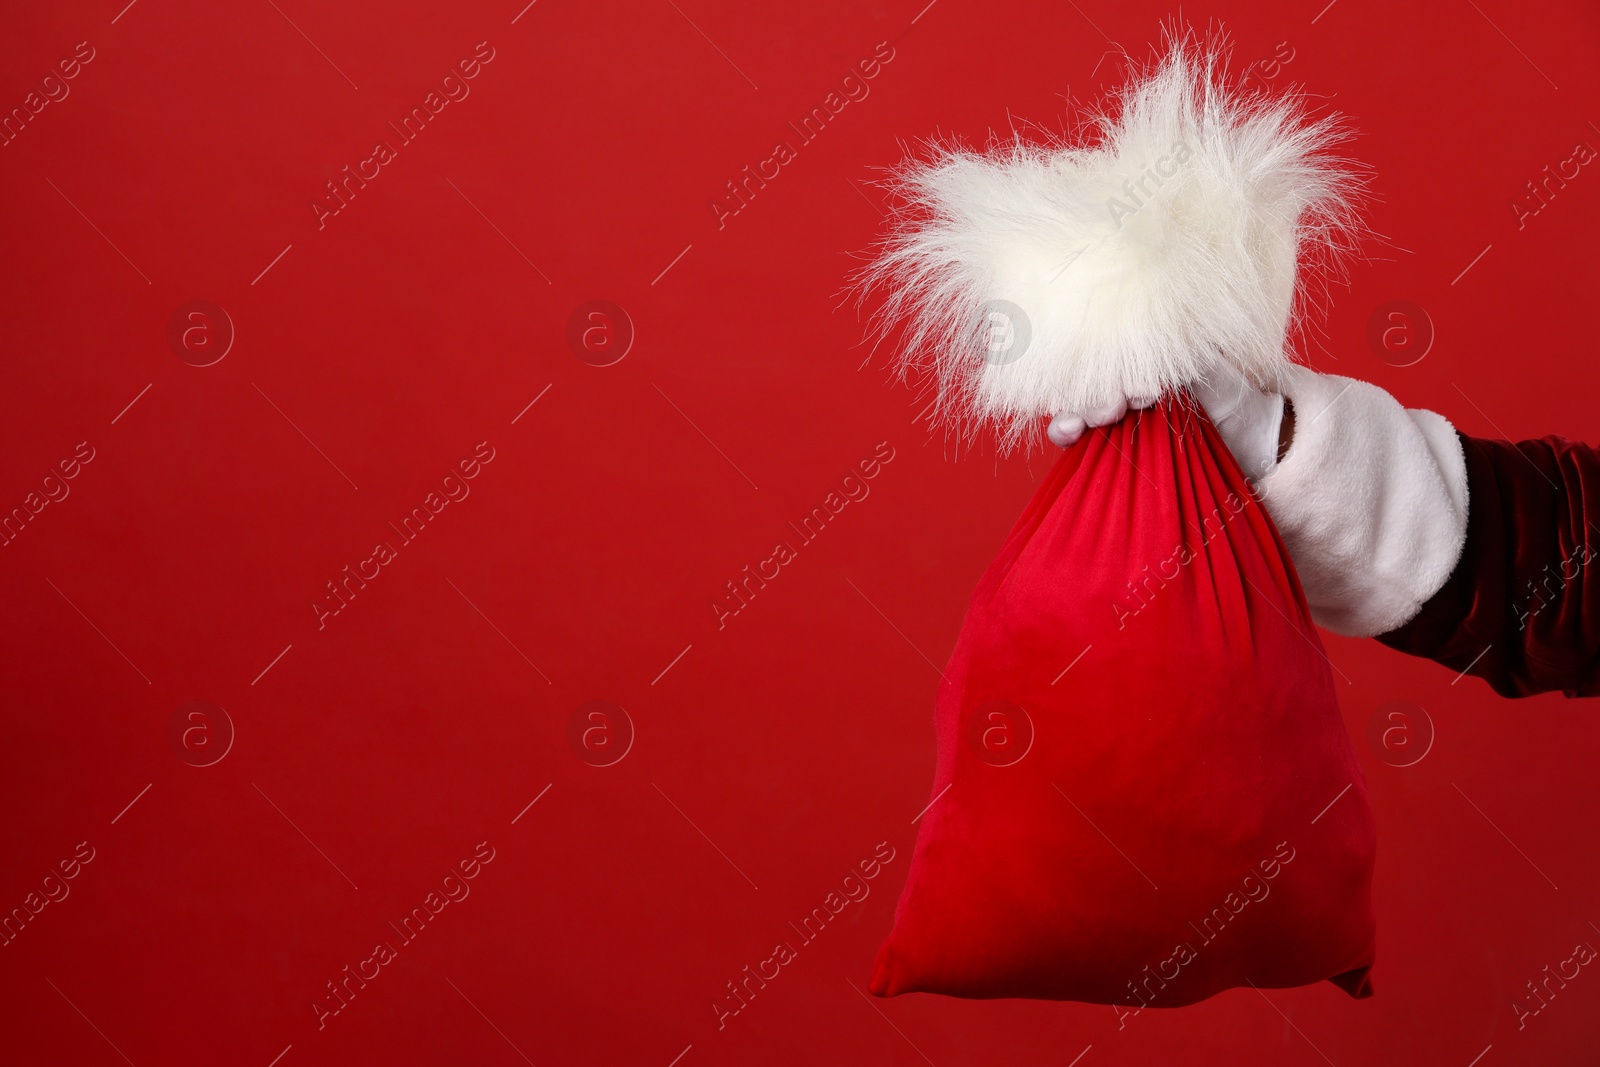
(1522, 608)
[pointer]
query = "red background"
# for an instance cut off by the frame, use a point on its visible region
(373, 354)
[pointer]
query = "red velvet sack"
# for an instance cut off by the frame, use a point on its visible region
(1144, 791)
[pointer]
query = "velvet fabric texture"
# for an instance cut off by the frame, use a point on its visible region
(1521, 610)
(1144, 792)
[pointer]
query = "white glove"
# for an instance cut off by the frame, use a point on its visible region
(1248, 419)
(1371, 497)
(1371, 500)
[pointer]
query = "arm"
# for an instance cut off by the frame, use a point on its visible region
(1473, 553)
(1522, 608)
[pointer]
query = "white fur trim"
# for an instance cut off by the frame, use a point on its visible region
(1124, 262)
(1371, 500)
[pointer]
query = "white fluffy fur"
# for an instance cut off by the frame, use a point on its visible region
(1199, 262)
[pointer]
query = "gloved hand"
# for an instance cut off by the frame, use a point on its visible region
(1370, 496)
(1251, 422)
